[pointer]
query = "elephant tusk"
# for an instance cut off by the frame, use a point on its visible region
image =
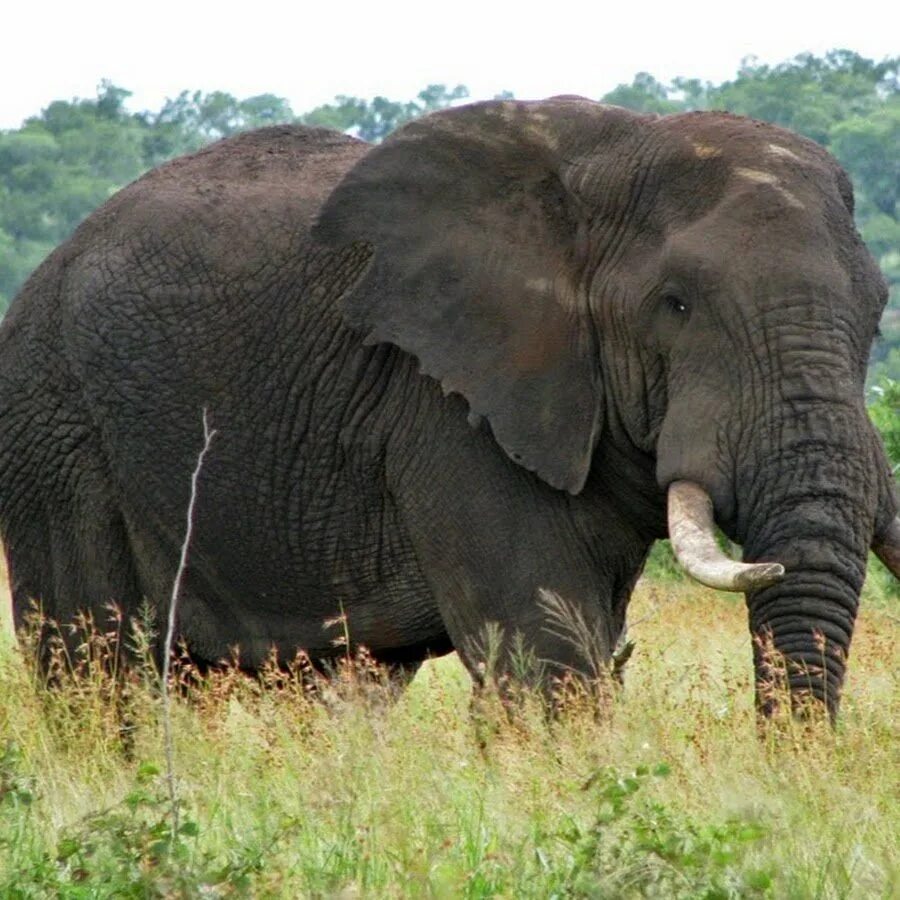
(887, 547)
(692, 532)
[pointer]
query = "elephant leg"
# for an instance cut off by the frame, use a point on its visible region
(523, 596)
(531, 583)
(69, 557)
(555, 638)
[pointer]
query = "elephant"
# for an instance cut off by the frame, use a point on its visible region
(485, 362)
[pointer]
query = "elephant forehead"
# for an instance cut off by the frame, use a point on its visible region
(767, 179)
(738, 141)
(782, 152)
(706, 151)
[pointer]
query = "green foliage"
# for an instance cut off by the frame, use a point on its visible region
(131, 845)
(884, 410)
(16, 789)
(129, 849)
(54, 170)
(189, 121)
(64, 162)
(374, 120)
(644, 94)
(661, 564)
(885, 360)
(810, 94)
(867, 146)
(646, 850)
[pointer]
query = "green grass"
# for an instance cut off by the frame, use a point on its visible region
(361, 793)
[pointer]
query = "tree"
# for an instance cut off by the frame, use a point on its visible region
(869, 148)
(189, 121)
(809, 94)
(374, 120)
(66, 161)
(644, 94)
(55, 170)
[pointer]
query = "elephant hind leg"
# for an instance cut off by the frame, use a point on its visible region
(70, 561)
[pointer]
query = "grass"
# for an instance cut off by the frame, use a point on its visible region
(363, 793)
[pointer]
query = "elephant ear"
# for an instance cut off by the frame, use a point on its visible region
(475, 271)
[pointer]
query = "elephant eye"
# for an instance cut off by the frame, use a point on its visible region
(675, 304)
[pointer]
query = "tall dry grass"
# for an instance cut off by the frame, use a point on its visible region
(292, 788)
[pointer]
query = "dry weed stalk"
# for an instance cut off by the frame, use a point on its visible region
(567, 622)
(791, 712)
(170, 628)
(83, 663)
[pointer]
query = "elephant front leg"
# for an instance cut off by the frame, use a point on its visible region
(554, 642)
(531, 583)
(526, 612)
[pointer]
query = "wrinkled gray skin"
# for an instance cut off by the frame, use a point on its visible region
(446, 372)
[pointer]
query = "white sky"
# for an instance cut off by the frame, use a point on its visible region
(310, 50)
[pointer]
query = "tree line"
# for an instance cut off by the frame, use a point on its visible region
(67, 160)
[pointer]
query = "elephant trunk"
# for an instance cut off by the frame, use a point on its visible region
(801, 633)
(801, 620)
(815, 515)
(806, 500)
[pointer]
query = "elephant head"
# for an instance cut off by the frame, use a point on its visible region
(686, 295)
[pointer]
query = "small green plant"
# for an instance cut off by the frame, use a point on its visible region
(632, 849)
(661, 564)
(16, 789)
(132, 845)
(129, 850)
(884, 411)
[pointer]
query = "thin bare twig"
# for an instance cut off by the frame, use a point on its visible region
(170, 630)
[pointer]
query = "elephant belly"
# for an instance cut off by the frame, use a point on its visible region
(396, 620)
(258, 580)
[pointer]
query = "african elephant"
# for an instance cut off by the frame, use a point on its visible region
(447, 372)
